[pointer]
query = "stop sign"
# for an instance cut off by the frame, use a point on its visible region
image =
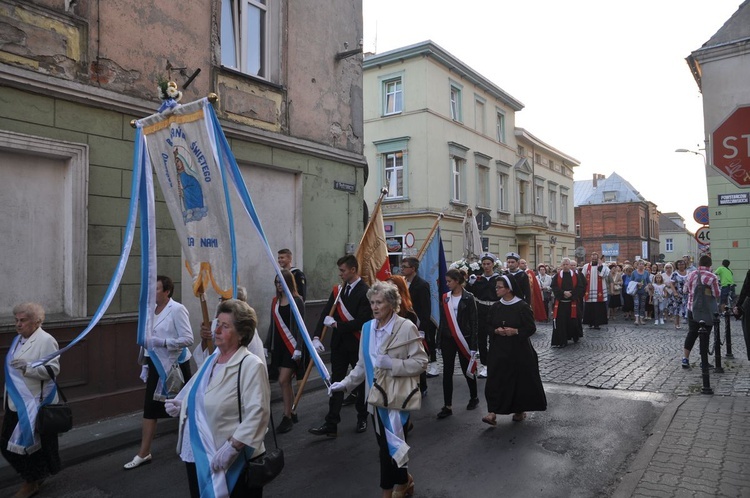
(731, 147)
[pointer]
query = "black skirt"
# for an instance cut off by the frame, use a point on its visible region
(153, 409)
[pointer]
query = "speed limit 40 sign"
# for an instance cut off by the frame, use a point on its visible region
(703, 235)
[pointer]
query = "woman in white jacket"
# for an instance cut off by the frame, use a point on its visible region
(393, 344)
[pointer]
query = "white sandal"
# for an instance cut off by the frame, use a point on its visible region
(137, 462)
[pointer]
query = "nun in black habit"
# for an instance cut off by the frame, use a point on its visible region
(513, 381)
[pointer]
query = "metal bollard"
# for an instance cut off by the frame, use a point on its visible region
(717, 345)
(703, 337)
(728, 332)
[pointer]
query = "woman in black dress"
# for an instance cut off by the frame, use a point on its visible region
(286, 346)
(513, 381)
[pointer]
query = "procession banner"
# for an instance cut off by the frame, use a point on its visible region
(432, 268)
(372, 253)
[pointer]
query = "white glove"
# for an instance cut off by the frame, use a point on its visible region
(224, 457)
(318, 345)
(474, 355)
(421, 333)
(336, 387)
(265, 353)
(297, 355)
(144, 373)
(156, 342)
(173, 407)
(19, 364)
(383, 361)
(329, 321)
(472, 279)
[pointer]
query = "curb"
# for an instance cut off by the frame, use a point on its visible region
(638, 466)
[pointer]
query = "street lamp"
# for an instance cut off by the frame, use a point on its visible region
(694, 152)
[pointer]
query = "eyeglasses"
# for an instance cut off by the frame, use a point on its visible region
(404, 267)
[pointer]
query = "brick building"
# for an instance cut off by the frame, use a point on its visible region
(613, 219)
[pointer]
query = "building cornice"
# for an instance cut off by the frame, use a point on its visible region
(93, 96)
(569, 161)
(430, 49)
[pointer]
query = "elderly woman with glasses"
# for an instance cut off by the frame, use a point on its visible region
(514, 384)
(392, 344)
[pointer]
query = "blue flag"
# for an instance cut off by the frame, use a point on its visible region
(432, 268)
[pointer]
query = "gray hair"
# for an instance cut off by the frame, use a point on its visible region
(241, 293)
(389, 291)
(34, 311)
(562, 262)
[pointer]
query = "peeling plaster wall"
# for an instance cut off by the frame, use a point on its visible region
(325, 95)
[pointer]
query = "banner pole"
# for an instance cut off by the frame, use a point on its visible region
(429, 237)
(206, 344)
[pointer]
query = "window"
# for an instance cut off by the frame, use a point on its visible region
(500, 125)
(457, 183)
(521, 197)
(522, 151)
(610, 196)
(669, 245)
(479, 116)
(455, 103)
(394, 96)
(563, 209)
(578, 229)
(538, 158)
(551, 164)
(393, 160)
(394, 174)
(244, 36)
(552, 205)
(540, 200)
(502, 194)
(483, 186)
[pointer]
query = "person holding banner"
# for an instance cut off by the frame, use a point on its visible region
(390, 343)
(285, 346)
(167, 346)
(458, 335)
(482, 288)
(32, 455)
(514, 384)
(224, 410)
(351, 310)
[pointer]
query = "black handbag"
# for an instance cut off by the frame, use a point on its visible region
(262, 469)
(54, 418)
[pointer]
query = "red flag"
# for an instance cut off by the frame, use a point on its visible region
(372, 253)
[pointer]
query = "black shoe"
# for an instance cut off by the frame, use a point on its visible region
(349, 400)
(295, 419)
(709, 366)
(473, 403)
(285, 426)
(323, 430)
(597, 327)
(361, 426)
(445, 412)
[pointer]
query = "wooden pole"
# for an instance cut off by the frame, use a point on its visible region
(303, 382)
(429, 237)
(206, 344)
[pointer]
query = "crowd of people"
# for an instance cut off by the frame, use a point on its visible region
(381, 335)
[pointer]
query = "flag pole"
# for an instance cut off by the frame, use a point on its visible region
(303, 382)
(429, 237)
(206, 344)
(383, 193)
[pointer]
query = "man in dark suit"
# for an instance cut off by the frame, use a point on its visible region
(419, 290)
(351, 311)
(514, 270)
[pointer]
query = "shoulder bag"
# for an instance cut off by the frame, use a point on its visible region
(54, 418)
(632, 288)
(395, 393)
(263, 469)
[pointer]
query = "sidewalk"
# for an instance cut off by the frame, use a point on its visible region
(700, 446)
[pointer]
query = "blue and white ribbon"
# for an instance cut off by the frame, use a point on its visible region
(24, 439)
(393, 420)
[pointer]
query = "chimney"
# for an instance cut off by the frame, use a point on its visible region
(597, 177)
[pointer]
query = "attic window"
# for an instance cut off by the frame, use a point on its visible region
(610, 196)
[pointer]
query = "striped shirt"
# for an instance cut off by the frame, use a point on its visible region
(707, 277)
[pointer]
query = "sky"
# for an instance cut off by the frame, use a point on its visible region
(604, 82)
